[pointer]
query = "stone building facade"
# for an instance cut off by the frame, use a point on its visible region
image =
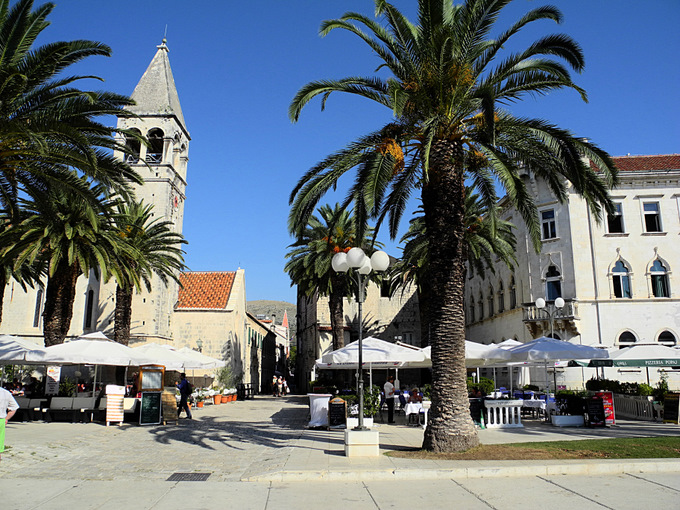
(616, 277)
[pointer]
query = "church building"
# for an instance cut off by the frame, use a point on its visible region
(208, 312)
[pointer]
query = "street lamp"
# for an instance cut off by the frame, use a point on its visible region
(558, 304)
(362, 265)
(199, 344)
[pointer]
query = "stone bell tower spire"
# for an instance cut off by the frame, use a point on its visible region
(162, 164)
(160, 119)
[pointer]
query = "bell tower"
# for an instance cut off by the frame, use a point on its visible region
(162, 164)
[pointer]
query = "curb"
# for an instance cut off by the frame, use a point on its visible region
(614, 467)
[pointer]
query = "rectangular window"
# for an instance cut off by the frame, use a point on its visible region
(548, 224)
(652, 217)
(615, 220)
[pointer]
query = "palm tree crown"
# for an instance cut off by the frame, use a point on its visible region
(47, 126)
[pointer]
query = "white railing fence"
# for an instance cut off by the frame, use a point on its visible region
(503, 413)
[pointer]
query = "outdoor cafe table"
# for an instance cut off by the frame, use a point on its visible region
(416, 408)
(534, 405)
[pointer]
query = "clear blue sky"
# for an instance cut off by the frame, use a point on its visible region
(237, 65)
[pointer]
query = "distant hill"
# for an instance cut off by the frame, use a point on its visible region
(269, 308)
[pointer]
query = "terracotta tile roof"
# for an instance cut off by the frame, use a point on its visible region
(648, 163)
(205, 290)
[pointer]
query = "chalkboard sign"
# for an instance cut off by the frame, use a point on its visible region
(670, 408)
(150, 413)
(595, 410)
(337, 413)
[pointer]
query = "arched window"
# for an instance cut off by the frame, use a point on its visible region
(89, 306)
(621, 280)
(513, 293)
(472, 310)
(134, 146)
(38, 308)
(501, 297)
(626, 339)
(490, 300)
(667, 338)
(154, 153)
(553, 283)
(480, 305)
(659, 277)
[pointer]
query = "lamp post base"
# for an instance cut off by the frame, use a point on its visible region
(362, 443)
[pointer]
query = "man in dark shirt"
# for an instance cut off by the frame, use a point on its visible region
(184, 394)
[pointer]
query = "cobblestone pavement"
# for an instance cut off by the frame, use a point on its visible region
(227, 440)
(266, 439)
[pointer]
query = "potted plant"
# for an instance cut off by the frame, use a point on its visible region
(225, 396)
(199, 399)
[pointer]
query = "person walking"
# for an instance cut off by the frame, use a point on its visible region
(279, 387)
(8, 406)
(275, 386)
(389, 398)
(185, 391)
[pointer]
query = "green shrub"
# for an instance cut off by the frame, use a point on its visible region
(485, 385)
(645, 390)
(661, 389)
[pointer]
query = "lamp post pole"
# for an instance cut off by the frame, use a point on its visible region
(558, 304)
(356, 259)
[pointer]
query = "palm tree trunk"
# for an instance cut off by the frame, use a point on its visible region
(123, 315)
(59, 297)
(336, 310)
(450, 426)
(3, 282)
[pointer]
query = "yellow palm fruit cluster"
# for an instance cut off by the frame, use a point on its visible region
(389, 146)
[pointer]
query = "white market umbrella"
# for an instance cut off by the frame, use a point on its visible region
(548, 349)
(476, 355)
(523, 377)
(13, 349)
(199, 361)
(375, 352)
(167, 356)
(89, 350)
(645, 355)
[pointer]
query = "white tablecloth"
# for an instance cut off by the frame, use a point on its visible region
(318, 409)
(534, 404)
(412, 408)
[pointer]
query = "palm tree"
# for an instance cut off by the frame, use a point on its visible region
(152, 248)
(67, 235)
(309, 261)
(486, 238)
(447, 86)
(47, 126)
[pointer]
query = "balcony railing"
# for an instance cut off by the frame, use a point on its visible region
(534, 314)
(154, 157)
